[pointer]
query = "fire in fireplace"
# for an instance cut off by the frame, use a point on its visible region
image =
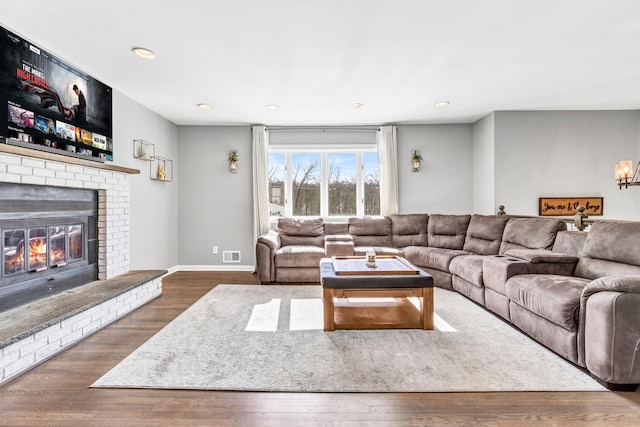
(48, 241)
(46, 248)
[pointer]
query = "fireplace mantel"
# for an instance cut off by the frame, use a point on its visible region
(20, 151)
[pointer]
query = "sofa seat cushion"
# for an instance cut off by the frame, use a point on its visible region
(468, 267)
(552, 297)
(299, 256)
(436, 258)
(379, 250)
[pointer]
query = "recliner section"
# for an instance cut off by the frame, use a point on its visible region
(578, 293)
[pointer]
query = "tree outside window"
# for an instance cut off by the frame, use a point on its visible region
(306, 184)
(343, 183)
(323, 183)
(371, 184)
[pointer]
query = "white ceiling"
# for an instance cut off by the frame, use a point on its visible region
(316, 58)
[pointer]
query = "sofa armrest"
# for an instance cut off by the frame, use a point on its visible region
(266, 248)
(609, 337)
(272, 239)
(497, 269)
(629, 284)
(538, 256)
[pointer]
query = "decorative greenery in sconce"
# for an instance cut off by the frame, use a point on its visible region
(233, 159)
(416, 158)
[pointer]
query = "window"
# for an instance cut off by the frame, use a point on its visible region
(332, 183)
(277, 178)
(371, 184)
(343, 184)
(305, 181)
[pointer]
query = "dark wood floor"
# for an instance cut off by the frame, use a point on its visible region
(57, 393)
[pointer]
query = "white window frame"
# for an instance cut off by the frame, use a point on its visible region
(323, 151)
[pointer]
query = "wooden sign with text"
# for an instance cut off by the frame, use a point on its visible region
(566, 206)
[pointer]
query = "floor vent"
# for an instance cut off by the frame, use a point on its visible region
(231, 256)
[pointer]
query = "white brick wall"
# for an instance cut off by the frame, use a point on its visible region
(35, 349)
(113, 202)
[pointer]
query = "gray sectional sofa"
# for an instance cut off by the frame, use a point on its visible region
(578, 293)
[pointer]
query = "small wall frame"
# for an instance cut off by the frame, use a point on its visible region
(143, 150)
(161, 169)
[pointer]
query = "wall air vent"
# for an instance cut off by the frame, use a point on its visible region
(231, 256)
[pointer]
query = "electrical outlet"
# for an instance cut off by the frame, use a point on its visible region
(215, 250)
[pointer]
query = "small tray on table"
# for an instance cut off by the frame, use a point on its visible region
(385, 265)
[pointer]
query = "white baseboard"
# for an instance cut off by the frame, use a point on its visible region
(223, 267)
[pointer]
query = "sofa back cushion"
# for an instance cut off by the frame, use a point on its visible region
(614, 241)
(570, 242)
(301, 232)
(371, 231)
(409, 230)
(333, 228)
(484, 234)
(609, 249)
(530, 233)
(447, 231)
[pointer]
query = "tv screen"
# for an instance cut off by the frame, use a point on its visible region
(49, 103)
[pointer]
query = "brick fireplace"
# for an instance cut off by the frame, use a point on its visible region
(117, 291)
(113, 186)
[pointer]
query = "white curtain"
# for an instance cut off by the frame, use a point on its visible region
(387, 142)
(260, 180)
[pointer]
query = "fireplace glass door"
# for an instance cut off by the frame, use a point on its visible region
(38, 248)
(13, 249)
(49, 246)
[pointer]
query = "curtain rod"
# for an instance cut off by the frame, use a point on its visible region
(319, 128)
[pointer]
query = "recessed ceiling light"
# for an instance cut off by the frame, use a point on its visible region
(205, 106)
(441, 103)
(357, 105)
(144, 53)
(273, 106)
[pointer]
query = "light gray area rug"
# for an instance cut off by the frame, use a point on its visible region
(270, 338)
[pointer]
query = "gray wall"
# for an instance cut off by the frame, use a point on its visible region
(484, 182)
(444, 183)
(564, 154)
(216, 206)
(509, 158)
(153, 205)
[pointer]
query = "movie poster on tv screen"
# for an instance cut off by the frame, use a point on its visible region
(46, 98)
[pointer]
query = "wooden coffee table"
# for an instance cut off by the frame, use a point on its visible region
(386, 289)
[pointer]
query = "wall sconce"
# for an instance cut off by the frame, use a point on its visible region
(233, 160)
(623, 174)
(416, 158)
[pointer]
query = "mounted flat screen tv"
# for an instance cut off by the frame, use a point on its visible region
(48, 104)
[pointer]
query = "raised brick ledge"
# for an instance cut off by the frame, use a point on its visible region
(33, 333)
(26, 320)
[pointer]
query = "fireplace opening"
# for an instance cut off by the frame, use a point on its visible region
(48, 241)
(41, 248)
